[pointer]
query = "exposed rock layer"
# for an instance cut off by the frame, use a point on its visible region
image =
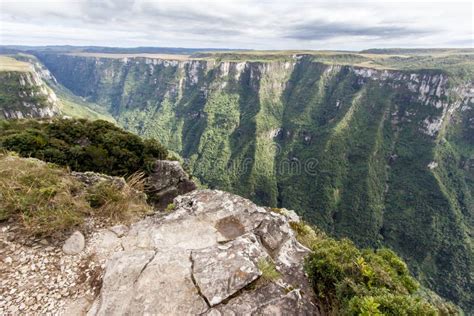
(25, 95)
(166, 181)
(186, 263)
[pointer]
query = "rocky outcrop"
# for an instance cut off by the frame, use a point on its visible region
(204, 258)
(166, 181)
(211, 256)
(90, 178)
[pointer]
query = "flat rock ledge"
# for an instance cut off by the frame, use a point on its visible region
(208, 257)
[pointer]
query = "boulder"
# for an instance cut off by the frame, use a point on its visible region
(74, 244)
(166, 181)
(222, 270)
(90, 178)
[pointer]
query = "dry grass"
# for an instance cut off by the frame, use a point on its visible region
(42, 197)
(46, 200)
(11, 64)
(119, 204)
(137, 181)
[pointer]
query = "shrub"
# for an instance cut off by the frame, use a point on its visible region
(82, 145)
(390, 304)
(362, 282)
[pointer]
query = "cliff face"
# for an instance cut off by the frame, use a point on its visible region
(24, 94)
(381, 156)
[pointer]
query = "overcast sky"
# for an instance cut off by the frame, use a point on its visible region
(255, 24)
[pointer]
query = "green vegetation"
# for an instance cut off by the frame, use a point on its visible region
(18, 94)
(119, 205)
(42, 197)
(170, 208)
(68, 104)
(74, 107)
(81, 145)
(362, 282)
(46, 200)
(268, 269)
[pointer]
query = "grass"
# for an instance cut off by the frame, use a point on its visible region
(307, 235)
(73, 106)
(46, 200)
(42, 197)
(74, 109)
(268, 269)
(170, 208)
(119, 204)
(277, 210)
(11, 64)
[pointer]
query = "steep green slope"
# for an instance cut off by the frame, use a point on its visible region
(68, 103)
(383, 156)
(23, 93)
(27, 89)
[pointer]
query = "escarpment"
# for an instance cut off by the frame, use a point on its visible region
(382, 156)
(25, 95)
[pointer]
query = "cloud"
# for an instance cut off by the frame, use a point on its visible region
(320, 30)
(258, 24)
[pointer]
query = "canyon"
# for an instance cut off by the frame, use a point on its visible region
(373, 149)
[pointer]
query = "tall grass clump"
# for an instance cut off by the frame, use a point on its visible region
(44, 198)
(119, 203)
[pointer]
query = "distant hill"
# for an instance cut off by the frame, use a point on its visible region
(9, 49)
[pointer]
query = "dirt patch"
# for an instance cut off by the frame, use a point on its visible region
(230, 227)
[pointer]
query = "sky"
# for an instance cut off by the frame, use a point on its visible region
(246, 24)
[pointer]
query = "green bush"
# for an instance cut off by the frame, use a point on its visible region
(81, 145)
(390, 304)
(362, 282)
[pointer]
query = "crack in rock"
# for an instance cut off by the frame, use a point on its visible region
(195, 282)
(145, 266)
